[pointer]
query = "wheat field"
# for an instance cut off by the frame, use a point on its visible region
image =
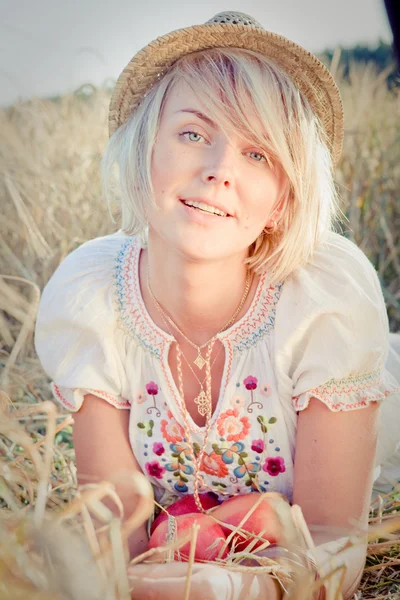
(51, 202)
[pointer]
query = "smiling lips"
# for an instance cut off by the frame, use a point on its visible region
(205, 207)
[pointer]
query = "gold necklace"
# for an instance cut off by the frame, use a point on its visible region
(200, 360)
(201, 399)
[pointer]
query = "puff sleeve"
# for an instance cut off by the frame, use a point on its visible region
(331, 332)
(77, 339)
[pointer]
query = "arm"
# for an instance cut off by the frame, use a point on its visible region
(333, 474)
(103, 449)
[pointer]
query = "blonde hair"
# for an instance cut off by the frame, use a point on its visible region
(226, 80)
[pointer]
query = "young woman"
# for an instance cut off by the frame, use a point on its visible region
(245, 340)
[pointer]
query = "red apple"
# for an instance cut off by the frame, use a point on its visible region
(185, 505)
(263, 518)
(210, 537)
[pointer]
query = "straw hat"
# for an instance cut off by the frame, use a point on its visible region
(231, 30)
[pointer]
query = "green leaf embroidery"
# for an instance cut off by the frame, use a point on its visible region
(181, 460)
(264, 429)
(248, 482)
(140, 425)
(151, 423)
(150, 433)
(218, 484)
(240, 461)
(243, 454)
(272, 420)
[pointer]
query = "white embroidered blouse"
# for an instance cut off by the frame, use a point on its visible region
(322, 333)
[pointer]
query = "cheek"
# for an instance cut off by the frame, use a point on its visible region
(166, 168)
(261, 200)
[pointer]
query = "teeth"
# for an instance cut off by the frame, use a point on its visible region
(205, 208)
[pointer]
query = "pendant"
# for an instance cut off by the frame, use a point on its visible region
(202, 403)
(199, 362)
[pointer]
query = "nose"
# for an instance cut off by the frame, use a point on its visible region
(220, 166)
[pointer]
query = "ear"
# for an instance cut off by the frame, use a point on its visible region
(278, 210)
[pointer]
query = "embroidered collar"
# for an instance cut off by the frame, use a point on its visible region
(254, 325)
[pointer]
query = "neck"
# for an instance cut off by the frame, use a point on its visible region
(200, 297)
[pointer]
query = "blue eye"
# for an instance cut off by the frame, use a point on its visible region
(259, 154)
(192, 133)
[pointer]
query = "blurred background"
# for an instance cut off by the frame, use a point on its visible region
(58, 64)
(52, 47)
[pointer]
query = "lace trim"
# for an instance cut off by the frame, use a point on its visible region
(368, 386)
(124, 403)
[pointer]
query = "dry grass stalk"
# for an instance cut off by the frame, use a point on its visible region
(52, 202)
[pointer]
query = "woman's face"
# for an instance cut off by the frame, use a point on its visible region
(194, 161)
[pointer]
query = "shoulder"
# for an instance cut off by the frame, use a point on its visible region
(338, 274)
(83, 282)
(94, 256)
(337, 293)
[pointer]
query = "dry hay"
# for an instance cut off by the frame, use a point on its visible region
(51, 549)
(51, 202)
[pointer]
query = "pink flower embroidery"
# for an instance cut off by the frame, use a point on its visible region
(250, 382)
(257, 446)
(158, 448)
(140, 398)
(171, 430)
(274, 466)
(232, 428)
(152, 388)
(266, 390)
(214, 465)
(238, 401)
(154, 469)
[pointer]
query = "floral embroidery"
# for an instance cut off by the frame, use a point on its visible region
(274, 465)
(213, 464)
(181, 453)
(232, 428)
(154, 469)
(228, 452)
(147, 427)
(171, 430)
(218, 485)
(244, 469)
(264, 424)
(158, 448)
(258, 446)
(238, 401)
(249, 469)
(250, 382)
(266, 390)
(140, 398)
(152, 390)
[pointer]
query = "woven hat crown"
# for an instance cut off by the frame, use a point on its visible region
(231, 29)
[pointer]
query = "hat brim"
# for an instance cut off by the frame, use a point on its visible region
(309, 74)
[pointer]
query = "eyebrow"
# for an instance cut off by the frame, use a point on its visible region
(198, 114)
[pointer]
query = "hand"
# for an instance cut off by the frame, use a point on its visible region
(208, 582)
